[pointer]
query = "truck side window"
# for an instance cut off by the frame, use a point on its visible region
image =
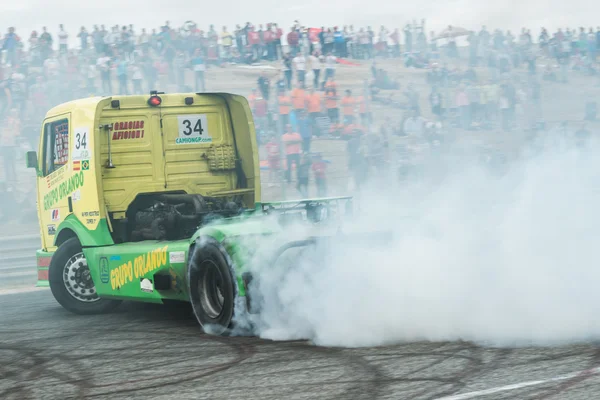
(56, 145)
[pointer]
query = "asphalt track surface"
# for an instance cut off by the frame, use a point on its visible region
(157, 352)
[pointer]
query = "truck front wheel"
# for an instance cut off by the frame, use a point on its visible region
(71, 282)
(211, 287)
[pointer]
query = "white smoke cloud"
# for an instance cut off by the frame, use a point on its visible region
(496, 259)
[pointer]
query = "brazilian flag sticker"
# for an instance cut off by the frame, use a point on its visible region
(85, 165)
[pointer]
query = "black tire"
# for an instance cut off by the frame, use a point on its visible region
(210, 273)
(63, 255)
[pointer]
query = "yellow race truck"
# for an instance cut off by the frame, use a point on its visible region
(150, 198)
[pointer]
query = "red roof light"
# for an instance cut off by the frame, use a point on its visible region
(154, 101)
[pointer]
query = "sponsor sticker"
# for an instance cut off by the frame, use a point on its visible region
(51, 230)
(124, 130)
(104, 270)
(176, 257)
(76, 195)
(55, 214)
(115, 258)
(146, 285)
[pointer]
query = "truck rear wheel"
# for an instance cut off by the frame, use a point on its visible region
(211, 287)
(71, 282)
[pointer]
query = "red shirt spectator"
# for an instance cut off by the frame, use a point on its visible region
(319, 167)
(268, 36)
(273, 154)
(253, 38)
(260, 107)
(293, 38)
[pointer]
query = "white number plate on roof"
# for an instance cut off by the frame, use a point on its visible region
(193, 129)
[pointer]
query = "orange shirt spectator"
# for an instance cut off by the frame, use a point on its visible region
(293, 142)
(285, 105)
(314, 103)
(330, 86)
(348, 104)
(330, 100)
(299, 99)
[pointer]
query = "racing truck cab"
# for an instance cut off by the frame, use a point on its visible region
(148, 198)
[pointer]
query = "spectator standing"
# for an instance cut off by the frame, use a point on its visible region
(303, 175)
(137, 77)
(304, 127)
(331, 101)
(299, 99)
(285, 106)
(264, 85)
(287, 70)
(348, 104)
(63, 39)
(104, 65)
(274, 159)
(316, 63)
(319, 168)
(293, 39)
(314, 109)
(330, 63)
(293, 142)
(46, 42)
(199, 68)
(122, 67)
(83, 38)
(10, 45)
(226, 43)
(300, 66)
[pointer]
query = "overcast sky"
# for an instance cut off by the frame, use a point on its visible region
(510, 14)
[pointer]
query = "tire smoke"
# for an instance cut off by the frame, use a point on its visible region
(502, 258)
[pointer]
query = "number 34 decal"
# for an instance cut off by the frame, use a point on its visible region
(188, 127)
(193, 129)
(81, 140)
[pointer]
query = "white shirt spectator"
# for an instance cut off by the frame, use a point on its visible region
(103, 64)
(330, 62)
(300, 62)
(63, 37)
(315, 62)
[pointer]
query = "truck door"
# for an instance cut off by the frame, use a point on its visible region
(55, 171)
(199, 147)
(137, 155)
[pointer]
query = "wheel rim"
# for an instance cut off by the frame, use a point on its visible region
(210, 289)
(78, 280)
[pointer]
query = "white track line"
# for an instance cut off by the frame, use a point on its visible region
(486, 392)
(22, 289)
(31, 272)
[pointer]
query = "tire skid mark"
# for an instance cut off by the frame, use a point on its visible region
(83, 381)
(584, 375)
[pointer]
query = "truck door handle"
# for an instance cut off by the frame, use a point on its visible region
(70, 204)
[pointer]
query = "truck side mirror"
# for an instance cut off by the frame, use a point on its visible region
(32, 160)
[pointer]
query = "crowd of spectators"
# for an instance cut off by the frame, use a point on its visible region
(53, 66)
